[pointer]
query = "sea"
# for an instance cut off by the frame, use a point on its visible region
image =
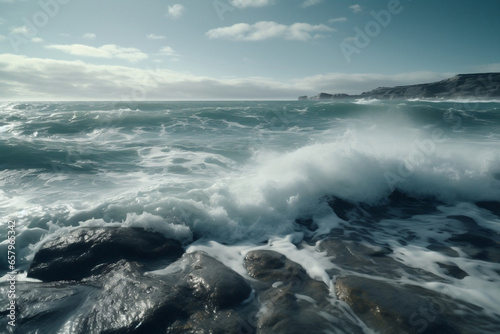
(226, 177)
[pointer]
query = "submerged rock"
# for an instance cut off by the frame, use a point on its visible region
(289, 300)
(74, 255)
(394, 308)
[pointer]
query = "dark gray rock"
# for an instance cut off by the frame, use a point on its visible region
(289, 300)
(73, 256)
(212, 282)
(395, 309)
(373, 260)
(479, 85)
(203, 297)
(490, 205)
(478, 242)
(476, 85)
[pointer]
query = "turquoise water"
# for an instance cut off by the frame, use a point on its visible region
(222, 175)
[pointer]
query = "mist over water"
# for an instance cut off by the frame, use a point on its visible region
(226, 177)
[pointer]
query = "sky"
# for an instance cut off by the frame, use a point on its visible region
(237, 49)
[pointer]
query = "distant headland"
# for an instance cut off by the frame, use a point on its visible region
(477, 85)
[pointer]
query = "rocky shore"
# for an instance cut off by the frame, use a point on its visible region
(128, 280)
(478, 85)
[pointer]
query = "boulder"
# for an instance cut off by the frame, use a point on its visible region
(391, 308)
(290, 301)
(196, 294)
(73, 256)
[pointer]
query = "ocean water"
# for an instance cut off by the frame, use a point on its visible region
(230, 177)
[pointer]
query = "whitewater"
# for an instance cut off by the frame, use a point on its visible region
(416, 180)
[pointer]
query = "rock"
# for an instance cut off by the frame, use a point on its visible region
(478, 242)
(490, 205)
(373, 260)
(480, 85)
(289, 300)
(118, 300)
(203, 296)
(389, 308)
(476, 85)
(74, 255)
(211, 281)
(395, 309)
(301, 98)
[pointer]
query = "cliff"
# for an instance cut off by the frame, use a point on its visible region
(479, 85)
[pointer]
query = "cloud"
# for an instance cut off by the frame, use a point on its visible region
(175, 11)
(2, 21)
(250, 3)
(89, 35)
(266, 30)
(338, 19)
(26, 78)
(3, 38)
(167, 51)
(309, 3)
(22, 30)
(37, 40)
(487, 68)
(356, 8)
(155, 37)
(105, 51)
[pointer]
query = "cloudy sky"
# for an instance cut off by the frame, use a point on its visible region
(237, 49)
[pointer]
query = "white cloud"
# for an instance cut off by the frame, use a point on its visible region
(356, 8)
(22, 30)
(309, 3)
(155, 37)
(25, 78)
(487, 68)
(338, 19)
(175, 11)
(105, 51)
(167, 51)
(89, 35)
(250, 3)
(266, 30)
(37, 40)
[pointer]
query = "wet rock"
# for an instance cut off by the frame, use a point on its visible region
(289, 300)
(74, 255)
(308, 223)
(200, 295)
(395, 308)
(343, 209)
(373, 260)
(392, 309)
(119, 300)
(211, 281)
(453, 270)
(478, 242)
(397, 204)
(436, 247)
(490, 205)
